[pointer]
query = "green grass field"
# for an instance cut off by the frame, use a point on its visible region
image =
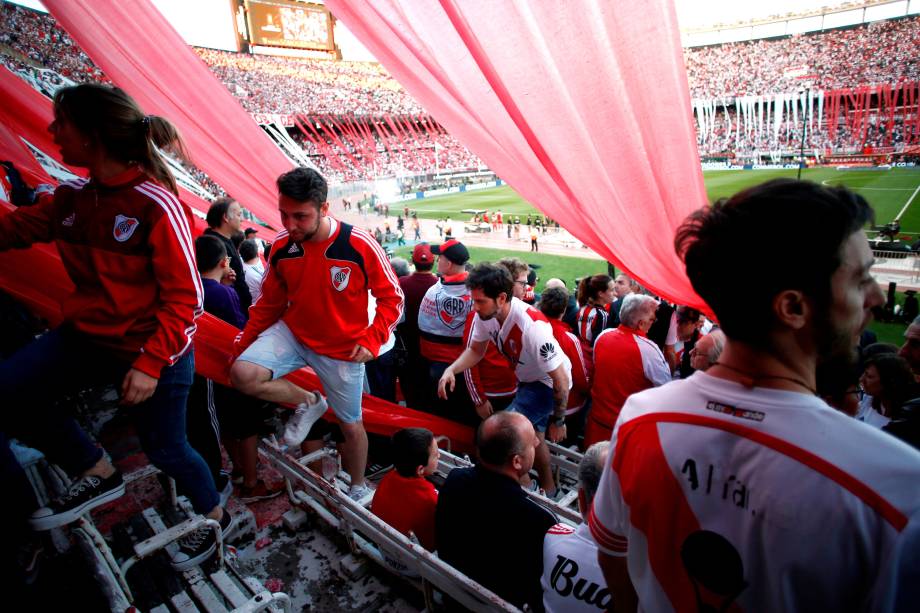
(887, 190)
(570, 268)
(563, 267)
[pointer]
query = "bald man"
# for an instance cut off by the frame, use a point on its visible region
(486, 526)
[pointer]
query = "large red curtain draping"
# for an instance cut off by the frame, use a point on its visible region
(140, 52)
(583, 108)
(26, 113)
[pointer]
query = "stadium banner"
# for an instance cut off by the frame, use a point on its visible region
(554, 124)
(266, 118)
(286, 23)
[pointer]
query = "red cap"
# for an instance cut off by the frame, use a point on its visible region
(422, 254)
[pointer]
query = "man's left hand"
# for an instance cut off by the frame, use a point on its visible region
(137, 387)
(360, 354)
(555, 433)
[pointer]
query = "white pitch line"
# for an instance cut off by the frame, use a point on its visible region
(911, 199)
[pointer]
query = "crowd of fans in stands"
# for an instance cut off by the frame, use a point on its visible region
(875, 53)
(266, 84)
(432, 152)
(475, 344)
(37, 37)
(727, 134)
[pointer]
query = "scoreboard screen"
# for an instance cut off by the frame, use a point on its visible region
(286, 23)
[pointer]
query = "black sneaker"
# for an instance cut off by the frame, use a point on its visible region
(83, 496)
(200, 544)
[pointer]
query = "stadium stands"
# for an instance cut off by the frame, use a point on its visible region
(355, 122)
(879, 52)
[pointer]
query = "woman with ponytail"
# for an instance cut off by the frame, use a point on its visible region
(125, 241)
(594, 296)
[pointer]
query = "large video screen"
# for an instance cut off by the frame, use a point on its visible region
(285, 23)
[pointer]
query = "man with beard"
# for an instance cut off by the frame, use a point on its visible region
(314, 312)
(524, 336)
(739, 487)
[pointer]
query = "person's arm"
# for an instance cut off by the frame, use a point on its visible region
(384, 285)
(654, 365)
(470, 356)
(562, 382)
(24, 226)
(472, 377)
(616, 574)
(270, 306)
(179, 303)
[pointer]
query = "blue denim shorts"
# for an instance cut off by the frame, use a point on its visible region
(534, 400)
(279, 351)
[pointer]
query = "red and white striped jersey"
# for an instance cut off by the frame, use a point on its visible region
(757, 499)
(526, 340)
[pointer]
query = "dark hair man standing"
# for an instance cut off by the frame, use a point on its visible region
(314, 311)
(739, 486)
(225, 219)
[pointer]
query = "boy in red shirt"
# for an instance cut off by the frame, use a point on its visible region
(404, 498)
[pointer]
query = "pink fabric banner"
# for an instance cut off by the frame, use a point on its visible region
(140, 52)
(584, 111)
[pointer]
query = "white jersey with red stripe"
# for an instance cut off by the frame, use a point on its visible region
(526, 340)
(572, 579)
(761, 499)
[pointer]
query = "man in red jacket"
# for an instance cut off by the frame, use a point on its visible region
(553, 304)
(630, 363)
(314, 312)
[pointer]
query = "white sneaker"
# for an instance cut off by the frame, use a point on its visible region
(360, 493)
(298, 426)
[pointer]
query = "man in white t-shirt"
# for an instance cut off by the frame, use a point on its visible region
(738, 487)
(252, 266)
(572, 580)
(525, 337)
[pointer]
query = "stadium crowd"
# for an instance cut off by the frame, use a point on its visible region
(267, 84)
(874, 53)
(887, 52)
(795, 415)
(728, 134)
(37, 37)
(431, 152)
(602, 368)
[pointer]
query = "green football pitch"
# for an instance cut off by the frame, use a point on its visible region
(892, 193)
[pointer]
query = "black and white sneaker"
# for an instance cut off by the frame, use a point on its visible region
(200, 544)
(84, 495)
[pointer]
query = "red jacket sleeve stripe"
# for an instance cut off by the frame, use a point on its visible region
(177, 219)
(390, 275)
(179, 223)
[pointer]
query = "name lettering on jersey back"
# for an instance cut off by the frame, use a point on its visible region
(565, 581)
(708, 480)
(725, 409)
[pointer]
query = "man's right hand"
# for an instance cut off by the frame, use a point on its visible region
(229, 277)
(447, 379)
(484, 410)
